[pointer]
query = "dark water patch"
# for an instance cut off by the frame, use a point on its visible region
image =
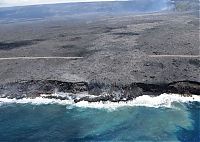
(193, 135)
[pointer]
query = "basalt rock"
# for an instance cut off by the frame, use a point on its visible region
(35, 88)
(184, 87)
(99, 92)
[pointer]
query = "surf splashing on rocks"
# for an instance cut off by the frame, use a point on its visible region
(164, 100)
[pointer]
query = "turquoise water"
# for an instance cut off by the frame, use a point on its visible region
(56, 123)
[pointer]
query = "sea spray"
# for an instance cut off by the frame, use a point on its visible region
(163, 100)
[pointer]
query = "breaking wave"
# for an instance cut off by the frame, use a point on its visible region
(163, 100)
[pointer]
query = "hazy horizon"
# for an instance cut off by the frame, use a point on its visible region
(12, 3)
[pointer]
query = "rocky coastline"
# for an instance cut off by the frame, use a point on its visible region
(118, 57)
(95, 91)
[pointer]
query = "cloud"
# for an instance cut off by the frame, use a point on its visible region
(8, 3)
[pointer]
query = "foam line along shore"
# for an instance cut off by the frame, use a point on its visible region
(163, 100)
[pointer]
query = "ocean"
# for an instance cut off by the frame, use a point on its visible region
(50, 121)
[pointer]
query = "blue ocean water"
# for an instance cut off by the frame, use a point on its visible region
(58, 123)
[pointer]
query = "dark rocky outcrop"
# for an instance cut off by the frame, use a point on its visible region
(17, 44)
(99, 92)
(34, 88)
(184, 87)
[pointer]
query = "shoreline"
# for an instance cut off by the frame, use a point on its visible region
(96, 92)
(125, 56)
(161, 101)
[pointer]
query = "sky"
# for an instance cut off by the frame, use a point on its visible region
(9, 3)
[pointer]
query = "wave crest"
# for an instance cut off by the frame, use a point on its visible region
(163, 100)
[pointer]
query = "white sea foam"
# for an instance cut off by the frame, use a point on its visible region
(35, 101)
(164, 100)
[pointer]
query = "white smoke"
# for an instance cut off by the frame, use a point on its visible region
(10, 3)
